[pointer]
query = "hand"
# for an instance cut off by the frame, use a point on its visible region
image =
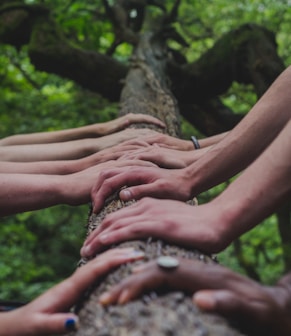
(262, 310)
(171, 221)
(165, 141)
(145, 181)
(134, 134)
(49, 313)
(108, 154)
(126, 120)
(162, 156)
(75, 189)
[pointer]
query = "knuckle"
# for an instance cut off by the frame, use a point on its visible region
(103, 175)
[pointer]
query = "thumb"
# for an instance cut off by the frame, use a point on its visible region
(221, 301)
(126, 194)
(59, 323)
(137, 192)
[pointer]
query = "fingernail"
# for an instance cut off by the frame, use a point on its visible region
(103, 238)
(204, 300)
(86, 251)
(105, 298)
(72, 324)
(125, 195)
(123, 297)
(138, 268)
(136, 254)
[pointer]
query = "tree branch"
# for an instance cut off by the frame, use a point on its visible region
(49, 51)
(247, 55)
(210, 117)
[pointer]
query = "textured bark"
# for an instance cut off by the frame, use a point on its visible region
(156, 313)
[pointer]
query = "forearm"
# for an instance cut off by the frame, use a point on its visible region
(25, 192)
(247, 140)
(48, 152)
(89, 131)
(44, 167)
(8, 327)
(260, 190)
(206, 142)
(195, 155)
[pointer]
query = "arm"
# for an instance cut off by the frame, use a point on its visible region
(49, 313)
(89, 131)
(165, 157)
(26, 192)
(210, 227)
(232, 154)
(207, 142)
(68, 150)
(64, 167)
(170, 142)
(247, 140)
(260, 309)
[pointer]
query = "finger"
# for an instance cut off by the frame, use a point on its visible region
(105, 187)
(111, 181)
(130, 232)
(140, 191)
(139, 117)
(229, 303)
(137, 143)
(109, 237)
(115, 218)
(136, 162)
(47, 324)
(65, 294)
(134, 286)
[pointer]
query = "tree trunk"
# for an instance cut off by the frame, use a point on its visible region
(172, 313)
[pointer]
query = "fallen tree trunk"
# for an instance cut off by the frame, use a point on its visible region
(146, 90)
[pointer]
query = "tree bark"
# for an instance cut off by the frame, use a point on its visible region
(166, 313)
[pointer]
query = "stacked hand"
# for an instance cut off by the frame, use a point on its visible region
(263, 310)
(172, 221)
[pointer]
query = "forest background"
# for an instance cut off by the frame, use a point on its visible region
(40, 248)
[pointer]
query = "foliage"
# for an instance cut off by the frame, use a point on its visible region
(40, 248)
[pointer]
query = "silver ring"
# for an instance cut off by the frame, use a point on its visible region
(167, 262)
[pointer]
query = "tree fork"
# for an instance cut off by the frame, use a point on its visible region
(167, 313)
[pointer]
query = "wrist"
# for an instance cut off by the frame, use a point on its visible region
(101, 129)
(192, 175)
(227, 219)
(65, 190)
(223, 225)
